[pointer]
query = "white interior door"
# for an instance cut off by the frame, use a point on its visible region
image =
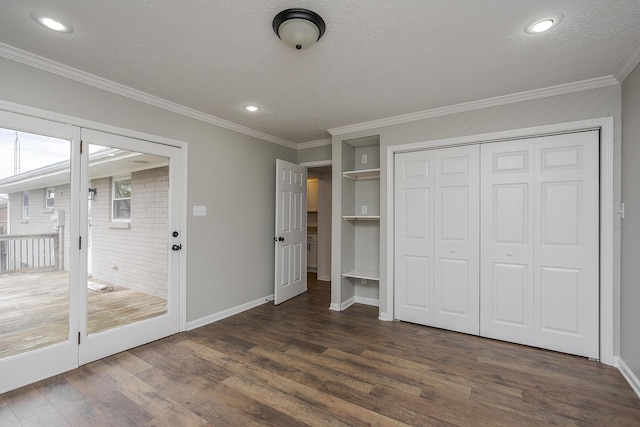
(507, 284)
(414, 244)
(457, 239)
(134, 229)
(290, 231)
(566, 243)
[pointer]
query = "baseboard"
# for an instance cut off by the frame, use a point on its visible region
(348, 303)
(385, 317)
(629, 376)
(368, 301)
(334, 306)
(324, 278)
(228, 313)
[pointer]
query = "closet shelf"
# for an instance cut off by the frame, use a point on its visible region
(361, 175)
(363, 274)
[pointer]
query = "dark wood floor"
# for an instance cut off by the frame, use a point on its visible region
(301, 364)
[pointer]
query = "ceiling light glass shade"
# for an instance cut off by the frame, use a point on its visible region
(298, 28)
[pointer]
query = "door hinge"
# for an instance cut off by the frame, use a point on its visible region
(80, 242)
(81, 147)
(78, 338)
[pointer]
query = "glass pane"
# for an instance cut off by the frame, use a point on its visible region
(34, 270)
(128, 275)
(122, 209)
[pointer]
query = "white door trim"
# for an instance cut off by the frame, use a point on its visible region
(607, 209)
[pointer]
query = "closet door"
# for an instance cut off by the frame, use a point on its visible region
(507, 283)
(540, 228)
(566, 243)
(414, 237)
(457, 239)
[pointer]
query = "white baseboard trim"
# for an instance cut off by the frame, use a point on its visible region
(368, 301)
(385, 316)
(348, 303)
(628, 375)
(324, 278)
(228, 313)
(334, 306)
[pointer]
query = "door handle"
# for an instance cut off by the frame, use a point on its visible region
(176, 247)
(278, 239)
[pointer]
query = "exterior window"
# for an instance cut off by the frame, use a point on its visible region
(25, 205)
(121, 205)
(49, 200)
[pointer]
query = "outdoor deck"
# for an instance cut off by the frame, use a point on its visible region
(34, 308)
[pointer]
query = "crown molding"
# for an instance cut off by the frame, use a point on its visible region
(316, 143)
(626, 67)
(62, 70)
(562, 89)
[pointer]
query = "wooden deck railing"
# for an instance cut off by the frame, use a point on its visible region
(29, 252)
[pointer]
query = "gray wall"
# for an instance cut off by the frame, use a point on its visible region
(314, 154)
(595, 103)
(230, 251)
(630, 274)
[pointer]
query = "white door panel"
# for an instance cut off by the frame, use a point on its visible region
(414, 237)
(566, 255)
(291, 231)
(456, 239)
(507, 285)
(436, 272)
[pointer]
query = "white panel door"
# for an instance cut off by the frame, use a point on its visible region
(291, 231)
(566, 243)
(414, 237)
(457, 239)
(507, 279)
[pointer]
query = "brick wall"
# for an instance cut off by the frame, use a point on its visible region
(133, 254)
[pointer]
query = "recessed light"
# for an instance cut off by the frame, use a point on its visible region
(541, 25)
(252, 108)
(52, 23)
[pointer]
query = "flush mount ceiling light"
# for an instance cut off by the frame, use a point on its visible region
(541, 25)
(298, 28)
(52, 23)
(252, 108)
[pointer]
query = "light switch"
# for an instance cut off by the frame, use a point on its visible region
(199, 210)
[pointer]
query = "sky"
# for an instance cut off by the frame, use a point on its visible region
(36, 151)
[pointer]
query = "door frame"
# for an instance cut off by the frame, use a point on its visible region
(608, 334)
(324, 221)
(32, 113)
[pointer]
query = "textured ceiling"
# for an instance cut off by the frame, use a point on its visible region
(377, 59)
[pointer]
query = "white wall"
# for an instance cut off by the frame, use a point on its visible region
(630, 277)
(589, 104)
(230, 251)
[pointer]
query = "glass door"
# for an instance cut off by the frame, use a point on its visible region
(132, 250)
(38, 223)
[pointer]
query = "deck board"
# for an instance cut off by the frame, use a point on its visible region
(34, 310)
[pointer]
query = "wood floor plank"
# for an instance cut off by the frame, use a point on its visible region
(299, 363)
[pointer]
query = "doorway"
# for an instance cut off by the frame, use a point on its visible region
(319, 220)
(62, 181)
